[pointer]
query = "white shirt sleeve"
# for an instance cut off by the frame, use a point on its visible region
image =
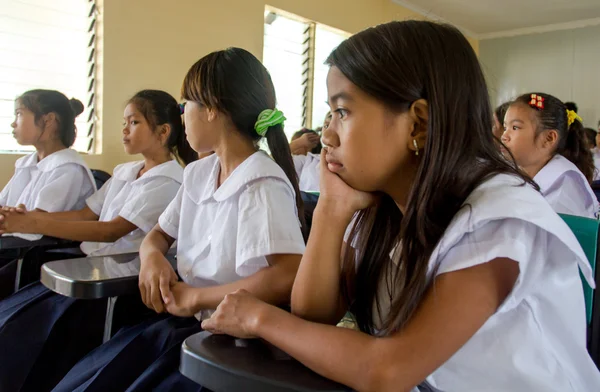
(299, 163)
(96, 201)
(149, 202)
(169, 219)
(267, 224)
(67, 185)
(4, 194)
(507, 238)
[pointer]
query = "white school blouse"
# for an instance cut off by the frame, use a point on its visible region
(536, 340)
(60, 182)
(307, 169)
(137, 200)
(566, 188)
(224, 234)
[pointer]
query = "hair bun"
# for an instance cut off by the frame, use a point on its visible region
(76, 106)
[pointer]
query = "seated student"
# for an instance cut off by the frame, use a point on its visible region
(305, 141)
(54, 177)
(499, 113)
(593, 139)
(235, 220)
(115, 220)
(456, 268)
(307, 163)
(548, 142)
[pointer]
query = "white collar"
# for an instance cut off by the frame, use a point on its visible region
(555, 168)
(52, 161)
(258, 165)
(129, 171)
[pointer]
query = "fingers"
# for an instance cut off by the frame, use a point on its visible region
(155, 297)
(165, 289)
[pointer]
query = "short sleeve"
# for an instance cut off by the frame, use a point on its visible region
(512, 238)
(66, 187)
(96, 201)
(148, 202)
(267, 224)
(299, 162)
(509, 238)
(169, 219)
(4, 194)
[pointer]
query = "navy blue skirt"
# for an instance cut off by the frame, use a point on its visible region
(43, 335)
(138, 358)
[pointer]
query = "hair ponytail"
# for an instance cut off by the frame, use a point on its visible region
(159, 108)
(182, 149)
(577, 150)
(282, 155)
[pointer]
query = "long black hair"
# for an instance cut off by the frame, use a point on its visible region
(159, 107)
(42, 102)
(236, 83)
(399, 63)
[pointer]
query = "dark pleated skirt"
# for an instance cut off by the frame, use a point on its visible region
(43, 335)
(139, 358)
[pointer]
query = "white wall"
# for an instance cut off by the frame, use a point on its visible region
(562, 63)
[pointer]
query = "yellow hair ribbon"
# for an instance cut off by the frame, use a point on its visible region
(571, 117)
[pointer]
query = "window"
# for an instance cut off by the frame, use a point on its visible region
(294, 52)
(49, 45)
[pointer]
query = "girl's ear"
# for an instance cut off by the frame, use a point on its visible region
(419, 114)
(163, 133)
(211, 114)
(550, 138)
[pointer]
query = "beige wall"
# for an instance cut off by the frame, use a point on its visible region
(152, 43)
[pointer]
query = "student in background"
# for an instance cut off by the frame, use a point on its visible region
(307, 165)
(115, 220)
(54, 177)
(548, 142)
(305, 141)
(592, 137)
(499, 113)
(456, 268)
(235, 220)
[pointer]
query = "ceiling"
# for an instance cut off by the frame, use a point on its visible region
(493, 18)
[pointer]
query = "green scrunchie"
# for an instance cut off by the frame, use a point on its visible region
(268, 118)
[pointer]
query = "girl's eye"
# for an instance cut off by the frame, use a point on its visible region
(515, 128)
(134, 122)
(341, 112)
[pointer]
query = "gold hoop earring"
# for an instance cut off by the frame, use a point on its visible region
(416, 147)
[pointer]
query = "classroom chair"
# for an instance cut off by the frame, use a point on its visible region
(587, 230)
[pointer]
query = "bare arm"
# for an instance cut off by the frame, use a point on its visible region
(461, 301)
(156, 273)
(271, 284)
(316, 294)
(85, 214)
(42, 223)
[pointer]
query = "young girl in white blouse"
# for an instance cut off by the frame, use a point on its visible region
(54, 177)
(457, 270)
(235, 219)
(548, 142)
(114, 220)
